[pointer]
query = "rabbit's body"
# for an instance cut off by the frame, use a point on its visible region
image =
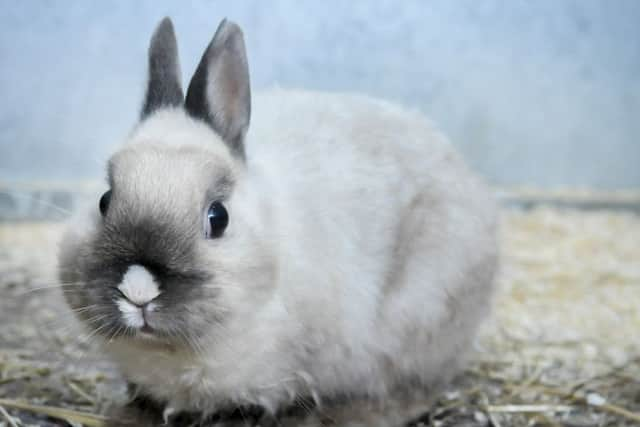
(358, 258)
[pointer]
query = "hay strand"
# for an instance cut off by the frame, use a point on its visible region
(68, 415)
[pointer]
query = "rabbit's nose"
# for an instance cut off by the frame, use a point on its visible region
(138, 286)
(138, 289)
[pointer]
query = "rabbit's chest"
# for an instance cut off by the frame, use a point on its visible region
(201, 383)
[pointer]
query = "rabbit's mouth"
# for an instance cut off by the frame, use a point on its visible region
(148, 334)
(135, 298)
(150, 342)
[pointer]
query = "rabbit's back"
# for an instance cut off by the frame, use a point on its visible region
(385, 240)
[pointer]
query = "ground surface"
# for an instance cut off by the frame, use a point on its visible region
(561, 349)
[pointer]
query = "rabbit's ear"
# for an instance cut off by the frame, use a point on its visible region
(163, 88)
(219, 92)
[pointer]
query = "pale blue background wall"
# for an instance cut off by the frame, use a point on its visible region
(542, 92)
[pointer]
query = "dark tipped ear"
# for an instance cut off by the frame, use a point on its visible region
(164, 88)
(219, 92)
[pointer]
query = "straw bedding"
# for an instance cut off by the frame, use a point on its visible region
(561, 349)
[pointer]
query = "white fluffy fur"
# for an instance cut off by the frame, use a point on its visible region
(359, 257)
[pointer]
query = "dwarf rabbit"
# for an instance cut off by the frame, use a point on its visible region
(338, 247)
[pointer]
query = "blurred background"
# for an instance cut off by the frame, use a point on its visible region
(535, 93)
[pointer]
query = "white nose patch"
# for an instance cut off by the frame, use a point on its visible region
(138, 285)
(131, 314)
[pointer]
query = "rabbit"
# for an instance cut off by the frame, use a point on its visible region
(338, 247)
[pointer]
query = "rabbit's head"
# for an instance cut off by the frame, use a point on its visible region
(173, 248)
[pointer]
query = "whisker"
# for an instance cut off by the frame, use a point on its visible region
(224, 287)
(85, 308)
(68, 320)
(48, 288)
(52, 282)
(93, 333)
(65, 330)
(111, 336)
(27, 196)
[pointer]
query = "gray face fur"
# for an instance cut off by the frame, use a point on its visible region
(154, 222)
(161, 187)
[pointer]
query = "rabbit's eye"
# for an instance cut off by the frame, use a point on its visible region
(104, 202)
(216, 221)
